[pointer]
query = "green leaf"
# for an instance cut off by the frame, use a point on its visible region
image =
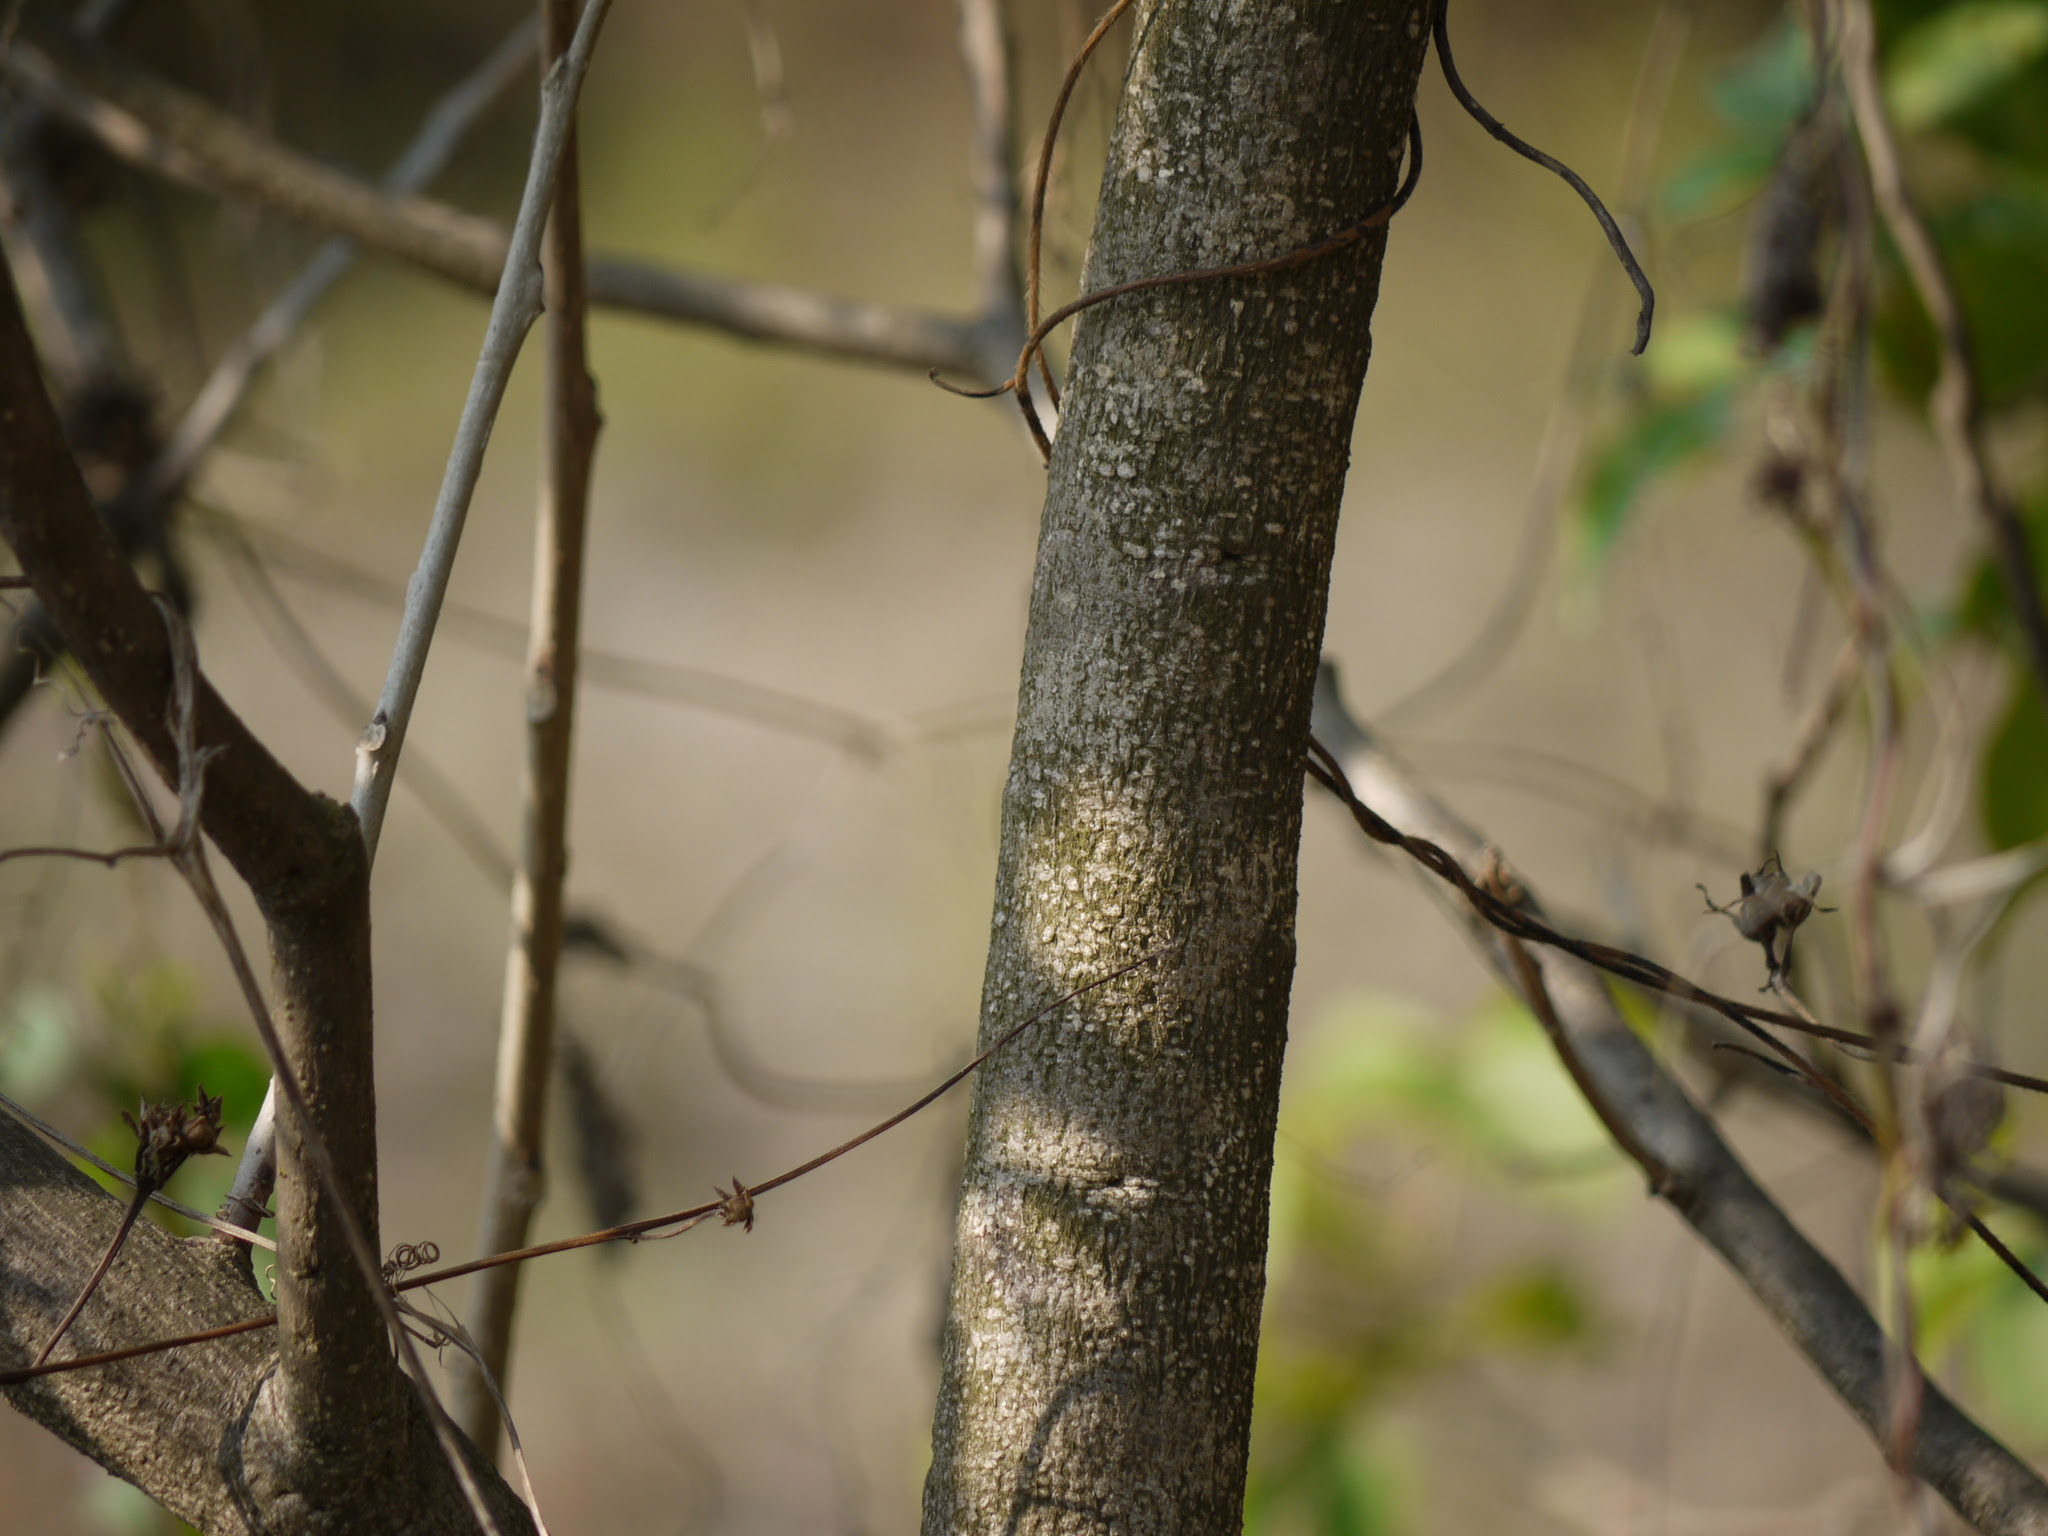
(1543, 1308)
(1960, 56)
(1717, 180)
(2009, 1357)
(1696, 353)
(1657, 441)
(1761, 96)
(1759, 99)
(2015, 788)
(1996, 247)
(1979, 607)
(1951, 1287)
(229, 1070)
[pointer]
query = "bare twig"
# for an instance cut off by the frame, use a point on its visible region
(1556, 167)
(512, 1178)
(1954, 405)
(440, 134)
(986, 57)
(517, 305)
(64, 1143)
(189, 857)
(282, 840)
(1784, 782)
(584, 932)
(42, 240)
(43, 248)
(1653, 977)
(1995, 874)
(1691, 1168)
(1839, 409)
(88, 855)
(436, 789)
(170, 132)
(1518, 922)
(421, 161)
(1587, 368)
(650, 1228)
(442, 1331)
(248, 1196)
(166, 1135)
(863, 736)
(193, 866)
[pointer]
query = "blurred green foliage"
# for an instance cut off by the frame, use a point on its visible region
(1967, 86)
(1756, 102)
(155, 1041)
(1956, 59)
(150, 1038)
(1977, 1317)
(1357, 1305)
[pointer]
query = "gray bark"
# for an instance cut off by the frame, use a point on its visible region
(196, 1429)
(1109, 1267)
(326, 1434)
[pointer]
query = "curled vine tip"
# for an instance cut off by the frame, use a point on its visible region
(1556, 167)
(971, 394)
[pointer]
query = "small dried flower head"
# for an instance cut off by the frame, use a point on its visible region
(167, 1134)
(738, 1209)
(1772, 905)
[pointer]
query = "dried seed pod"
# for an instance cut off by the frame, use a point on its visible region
(1772, 904)
(167, 1134)
(1781, 280)
(738, 1209)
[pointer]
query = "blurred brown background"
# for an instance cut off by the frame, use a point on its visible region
(853, 536)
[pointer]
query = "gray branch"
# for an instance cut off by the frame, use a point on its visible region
(513, 311)
(174, 133)
(177, 1424)
(988, 59)
(440, 135)
(222, 395)
(1693, 1169)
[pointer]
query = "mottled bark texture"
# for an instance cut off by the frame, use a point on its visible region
(192, 1428)
(1109, 1266)
(317, 1431)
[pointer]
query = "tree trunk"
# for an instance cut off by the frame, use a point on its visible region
(315, 1429)
(1109, 1266)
